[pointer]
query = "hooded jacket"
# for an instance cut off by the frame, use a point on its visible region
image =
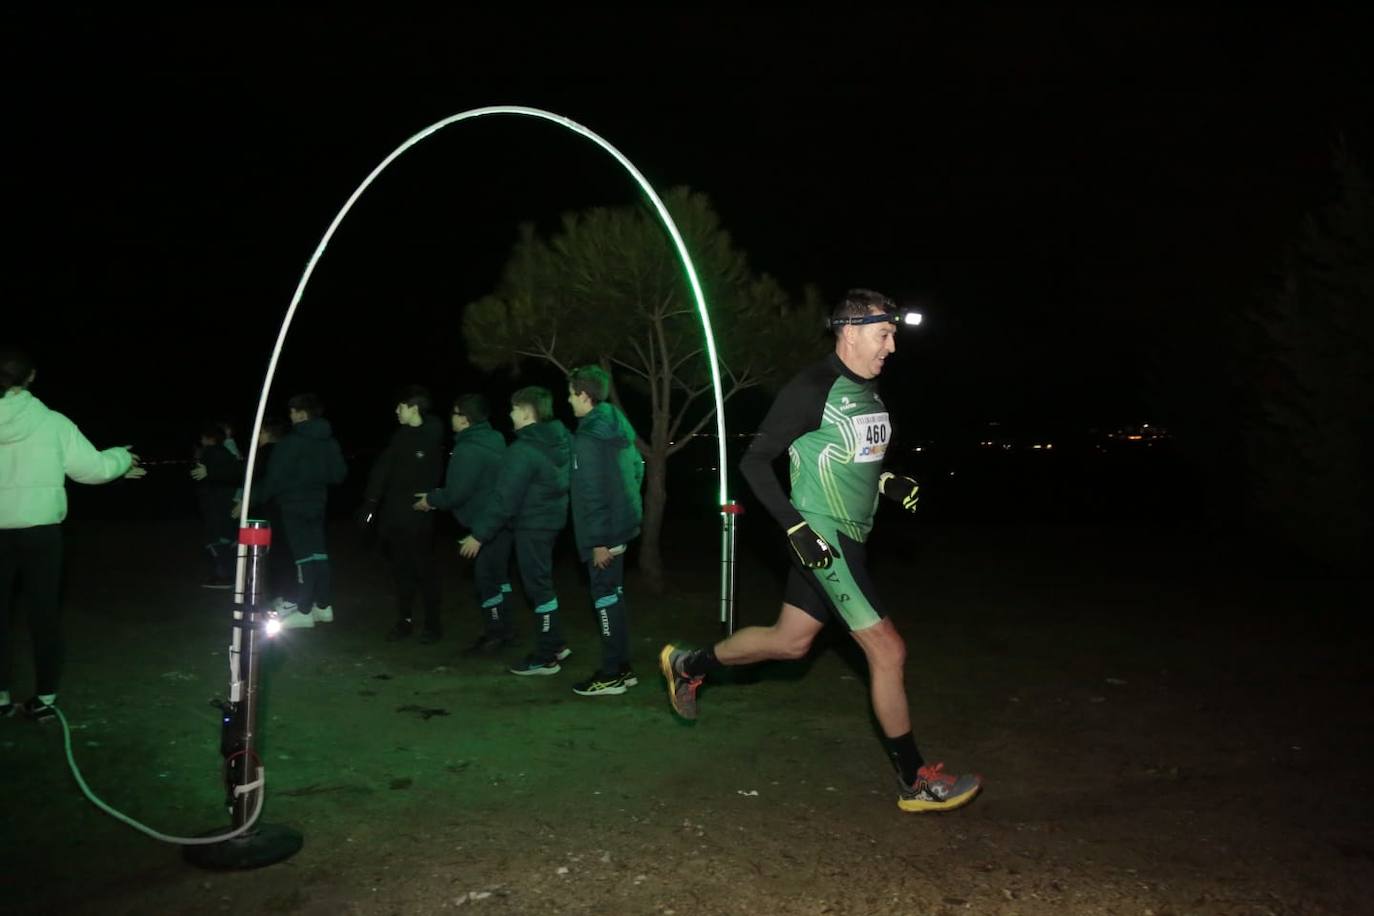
(39, 449)
(607, 475)
(531, 491)
(478, 452)
(305, 463)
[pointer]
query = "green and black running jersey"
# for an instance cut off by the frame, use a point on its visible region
(836, 430)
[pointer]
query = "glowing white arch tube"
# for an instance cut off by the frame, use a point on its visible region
(434, 128)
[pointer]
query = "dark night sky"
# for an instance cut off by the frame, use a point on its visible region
(1063, 189)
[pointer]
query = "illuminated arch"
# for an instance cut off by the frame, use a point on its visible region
(576, 128)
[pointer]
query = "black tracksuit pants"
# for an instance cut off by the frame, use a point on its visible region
(409, 551)
(31, 580)
(305, 539)
(612, 613)
(534, 556)
(491, 581)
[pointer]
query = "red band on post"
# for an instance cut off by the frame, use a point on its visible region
(255, 537)
(732, 509)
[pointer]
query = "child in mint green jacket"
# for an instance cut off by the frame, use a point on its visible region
(39, 450)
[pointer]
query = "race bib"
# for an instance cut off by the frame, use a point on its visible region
(871, 434)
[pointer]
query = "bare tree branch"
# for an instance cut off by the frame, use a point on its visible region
(546, 355)
(682, 410)
(686, 356)
(710, 414)
(666, 377)
(650, 360)
(630, 366)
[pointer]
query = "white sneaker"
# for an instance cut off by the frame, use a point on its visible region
(295, 620)
(322, 614)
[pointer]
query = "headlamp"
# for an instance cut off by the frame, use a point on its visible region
(905, 317)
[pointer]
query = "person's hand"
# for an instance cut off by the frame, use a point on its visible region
(136, 469)
(601, 557)
(234, 512)
(198, 472)
(469, 546)
(422, 504)
(901, 490)
(812, 549)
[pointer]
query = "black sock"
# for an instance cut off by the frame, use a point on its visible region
(904, 756)
(699, 661)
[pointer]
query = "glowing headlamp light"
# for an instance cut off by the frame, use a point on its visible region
(905, 317)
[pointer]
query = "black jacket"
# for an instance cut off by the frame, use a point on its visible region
(531, 491)
(478, 452)
(304, 464)
(411, 463)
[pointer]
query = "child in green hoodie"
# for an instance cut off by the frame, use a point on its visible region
(531, 497)
(478, 453)
(607, 475)
(304, 465)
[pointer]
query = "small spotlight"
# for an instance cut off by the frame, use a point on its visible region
(273, 626)
(911, 318)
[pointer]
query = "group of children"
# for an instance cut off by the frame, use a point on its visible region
(509, 498)
(295, 467)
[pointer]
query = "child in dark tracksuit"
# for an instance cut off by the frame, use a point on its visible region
(607, 474)
(531, 497)
(478, 452)
(410, 465)
(281, 570)
(304, 465)
(217, 473)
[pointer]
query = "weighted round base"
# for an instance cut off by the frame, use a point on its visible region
(265, 844)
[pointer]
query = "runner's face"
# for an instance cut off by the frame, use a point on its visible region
(873, 344)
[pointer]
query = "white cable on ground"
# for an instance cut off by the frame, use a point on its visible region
(256, 785)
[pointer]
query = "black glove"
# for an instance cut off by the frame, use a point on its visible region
(810, 547)
(899, 489)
